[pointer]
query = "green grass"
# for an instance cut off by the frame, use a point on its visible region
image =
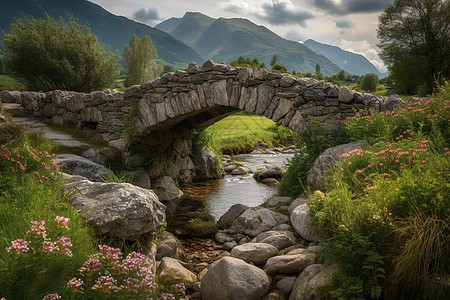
(8, 83)
(241, 132)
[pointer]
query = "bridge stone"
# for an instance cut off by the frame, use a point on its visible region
(161, 113)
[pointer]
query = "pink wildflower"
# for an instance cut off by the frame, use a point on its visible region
(61, 222)
(131, 285)
(90, 267)
(51, 297)
(18, 247)
(178, 288)
(49, 247)
(74, 284)
(105, 284)
(37, 229)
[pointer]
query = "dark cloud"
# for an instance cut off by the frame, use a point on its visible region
(345, 7)
(278, 13)
(146, 15)
(344, 24)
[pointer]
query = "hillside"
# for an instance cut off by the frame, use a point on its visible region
(227, 39)
(114, 31)
(352, 63)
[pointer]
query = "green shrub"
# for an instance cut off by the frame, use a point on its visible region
(384, 218)
(310, 145)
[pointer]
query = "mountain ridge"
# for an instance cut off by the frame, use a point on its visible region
(352, 63)
(226, 39)
(114, 31)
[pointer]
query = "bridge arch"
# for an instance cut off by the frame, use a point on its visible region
(160, 114)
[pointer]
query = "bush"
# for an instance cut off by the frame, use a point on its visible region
(385, 215)
(310, 145)
(46, 54)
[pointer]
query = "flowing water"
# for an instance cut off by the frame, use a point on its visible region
(217, 196)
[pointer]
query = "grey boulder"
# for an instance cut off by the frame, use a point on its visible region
(117, 209)
(77, 165)
(314, 279)
(233, 279)
(166, 189)
(256, 220)
(257, 253)
(301, 222)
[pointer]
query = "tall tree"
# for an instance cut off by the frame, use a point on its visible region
(274, 60)
(46, 54)
(414, 38)
(140, 64)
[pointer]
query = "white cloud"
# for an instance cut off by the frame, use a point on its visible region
(365, 49)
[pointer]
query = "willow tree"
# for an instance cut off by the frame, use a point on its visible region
(46, 54)
(414, 38)
(140, 61)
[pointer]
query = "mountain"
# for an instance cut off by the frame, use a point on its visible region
(227, 39)
(352, 63)
(114, 31)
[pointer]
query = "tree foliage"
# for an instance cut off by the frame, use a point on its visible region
(369, 82)
(140, 65)
(249, 63)
(414, 38)
(274, 60)
(46, 54)
(279, 68)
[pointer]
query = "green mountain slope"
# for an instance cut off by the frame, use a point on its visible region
(352, 63)
(111, 30)
(227, 39)
(189, 28)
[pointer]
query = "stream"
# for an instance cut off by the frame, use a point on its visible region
(217, 196)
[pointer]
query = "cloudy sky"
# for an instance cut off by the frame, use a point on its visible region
(349, 24)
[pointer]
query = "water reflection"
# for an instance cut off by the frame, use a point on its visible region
(218, 196)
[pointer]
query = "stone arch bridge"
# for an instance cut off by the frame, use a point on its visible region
(160, 114)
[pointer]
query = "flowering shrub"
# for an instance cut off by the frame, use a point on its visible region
(104, 274)
(386, 213)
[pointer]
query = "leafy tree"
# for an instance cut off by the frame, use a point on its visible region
(140, 64)
(279, 68)
(249, 63)
(46, 54)
(414, 38)
(318, 73)
(369, 82)
(274, 61)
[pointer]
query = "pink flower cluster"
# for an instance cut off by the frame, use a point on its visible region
(37, 229)
(105, 284)
(52, 297)
(74, 284)
(61, 222)
(18, 247)
(61, 246)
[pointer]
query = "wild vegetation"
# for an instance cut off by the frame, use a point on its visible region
(46, 54)
(385, 216)
(140, 65)
(42, 235)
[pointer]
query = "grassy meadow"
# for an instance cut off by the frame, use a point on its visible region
(8, 83)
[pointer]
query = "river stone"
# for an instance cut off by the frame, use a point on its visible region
(314, 279)
(278, 200)
(169, 246)
(296, 202)
(270, 181)
(166, 189)
(317, 174)
(270, 172)
(289, 264)
(77, 165)
(232, 213)
(257, 253)
(230, 168)
(286, 284)
(280, 241)
(301, 222)
(256, 220)
(205, 162)
(239, 171)
(275, 295)
(222, 237)
(117, 209)
(233, 279)
(171, 272)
